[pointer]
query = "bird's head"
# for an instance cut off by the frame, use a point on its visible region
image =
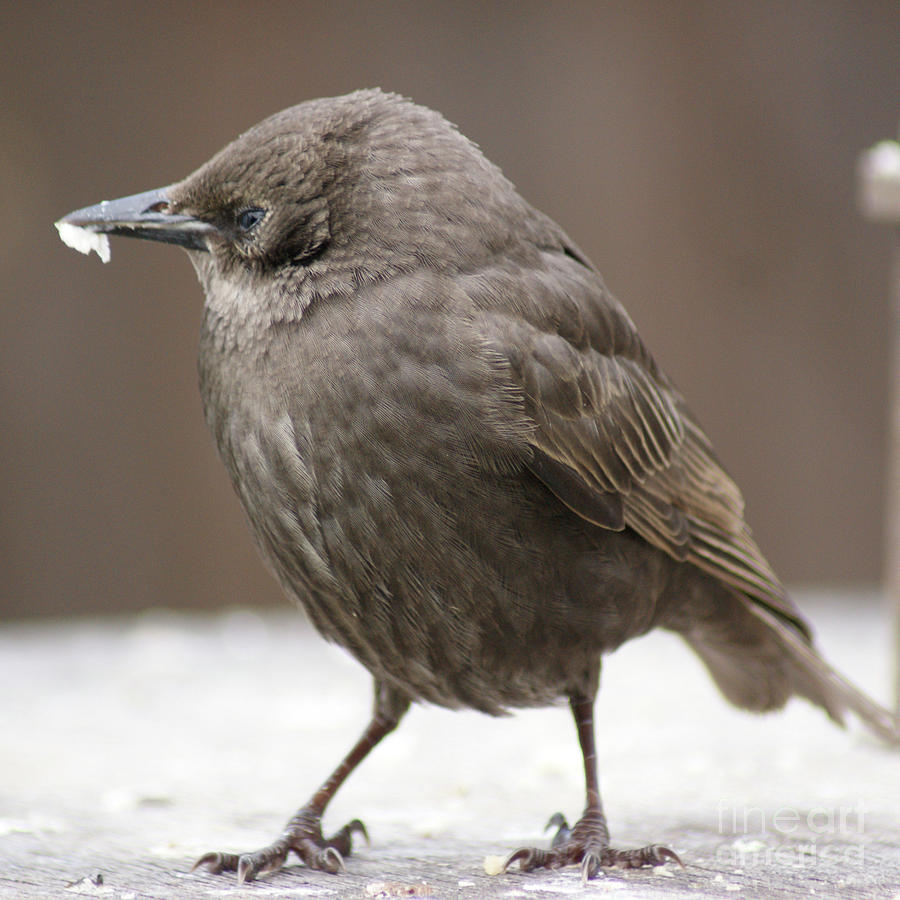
(366, 185)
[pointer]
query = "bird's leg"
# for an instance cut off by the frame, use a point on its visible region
(587, 842)
(303, 833)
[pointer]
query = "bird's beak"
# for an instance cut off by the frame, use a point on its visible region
(144, 216)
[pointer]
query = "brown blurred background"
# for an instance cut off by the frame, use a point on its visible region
(702, 153)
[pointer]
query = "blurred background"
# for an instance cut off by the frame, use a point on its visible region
(701, 153)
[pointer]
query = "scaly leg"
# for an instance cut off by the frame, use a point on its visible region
(588, 841)
(303, 833)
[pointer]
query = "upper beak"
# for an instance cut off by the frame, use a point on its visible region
(142, 216)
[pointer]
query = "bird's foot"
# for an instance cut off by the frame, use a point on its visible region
(587, 843)
(303, 836)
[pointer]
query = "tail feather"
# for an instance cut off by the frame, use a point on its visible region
(816, 680)
(759, 661)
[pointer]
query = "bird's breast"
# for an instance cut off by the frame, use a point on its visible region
(383, 472)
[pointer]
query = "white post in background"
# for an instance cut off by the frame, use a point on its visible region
(879, 199)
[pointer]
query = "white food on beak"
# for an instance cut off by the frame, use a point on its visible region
(84, 240)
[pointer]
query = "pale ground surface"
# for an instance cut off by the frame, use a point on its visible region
(130, 746)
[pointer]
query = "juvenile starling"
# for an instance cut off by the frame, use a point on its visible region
(452, 446)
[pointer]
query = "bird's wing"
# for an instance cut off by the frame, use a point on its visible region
(615, 442)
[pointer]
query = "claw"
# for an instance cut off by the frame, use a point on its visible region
(330, 860)
(664, 854)
(342, 840)
(528, 858)
(263, 862)
(515, 856)
(217, 863)
(357, 826)
(245, 871)
(558, 821)
(651, 855)
(590, 866)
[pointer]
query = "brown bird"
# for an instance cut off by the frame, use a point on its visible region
(452, 446)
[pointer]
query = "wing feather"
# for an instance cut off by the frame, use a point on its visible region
(615, 441)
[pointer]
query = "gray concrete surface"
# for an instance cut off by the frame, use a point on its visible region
(129, 746)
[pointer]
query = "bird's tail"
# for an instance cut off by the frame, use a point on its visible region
(759, 661)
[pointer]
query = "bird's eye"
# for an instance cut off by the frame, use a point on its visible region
(248, 219)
